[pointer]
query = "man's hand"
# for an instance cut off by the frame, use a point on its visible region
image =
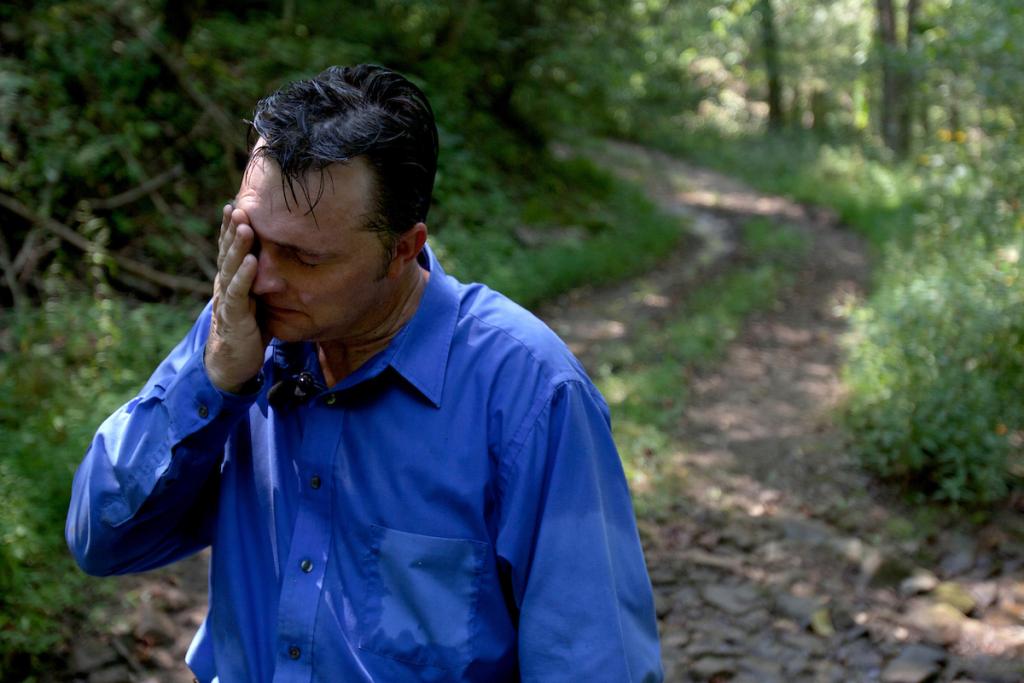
(235, 348)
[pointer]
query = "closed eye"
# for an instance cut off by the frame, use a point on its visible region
(302, 261)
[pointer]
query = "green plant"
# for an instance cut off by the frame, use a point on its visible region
(645, 382)
(936, 354)
(64, 367)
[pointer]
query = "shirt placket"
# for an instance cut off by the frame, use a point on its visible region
(304, 570)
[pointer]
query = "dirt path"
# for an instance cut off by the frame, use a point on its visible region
(776, 562)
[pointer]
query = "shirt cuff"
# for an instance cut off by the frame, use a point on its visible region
(194, 404)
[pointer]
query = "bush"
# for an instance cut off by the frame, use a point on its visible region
(876, 198)
(63, 368)
(936, 355)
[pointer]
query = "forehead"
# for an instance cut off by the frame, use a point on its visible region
(341, 195)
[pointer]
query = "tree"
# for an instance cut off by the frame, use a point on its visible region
(770, 45)
(897, 74)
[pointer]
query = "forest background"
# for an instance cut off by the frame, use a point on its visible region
(122, 133)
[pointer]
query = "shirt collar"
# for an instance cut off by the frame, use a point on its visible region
(421, 351)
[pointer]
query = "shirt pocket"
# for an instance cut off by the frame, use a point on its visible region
(421, 597)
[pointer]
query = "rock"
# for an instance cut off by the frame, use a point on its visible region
(958, 562)
(153, 626)
(734, 600)
(844, 621)
(827, 672)
(685, 598)
(162, 659)
(984, 669)
(115, 674)
(674, 641)
(674, 669)
(760, 670)
(939, 622)
(797, 608)
(891, 571)
(754, 620)
(662, 603)
(89, 654)
(772, 552)
(915, 664)
(710, 648)
(742, 537)
(795, 665)
(980, 636)
(804, 642)
(860, 655)
(805, 531)
(662, 575)
(955, 595)
(706, 668)
(856, 551)
(984, 593)
(921, 581)
(170, 598)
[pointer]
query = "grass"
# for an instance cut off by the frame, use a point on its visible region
(63, 368)
(588, 229)
(872, 195)
(645, 381)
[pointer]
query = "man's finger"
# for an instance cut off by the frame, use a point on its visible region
(222, 236)
(239, 247)
(237, 250)
(236, 301)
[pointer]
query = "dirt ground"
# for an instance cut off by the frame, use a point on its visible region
(778, 559)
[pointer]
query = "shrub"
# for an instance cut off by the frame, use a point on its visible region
(63, 368)
(936, 355)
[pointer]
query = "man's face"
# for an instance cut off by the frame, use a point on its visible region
(317, 280)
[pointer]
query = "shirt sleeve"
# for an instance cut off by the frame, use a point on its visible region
(143, 495)
(568, 535)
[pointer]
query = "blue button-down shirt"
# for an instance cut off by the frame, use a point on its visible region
(455, 510)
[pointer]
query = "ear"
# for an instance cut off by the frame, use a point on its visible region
(407, 248)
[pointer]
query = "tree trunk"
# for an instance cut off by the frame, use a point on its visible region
(888, 49)
(770, 44)
(905, 86)
(955, 120)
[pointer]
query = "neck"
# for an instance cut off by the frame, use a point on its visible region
(340, 358)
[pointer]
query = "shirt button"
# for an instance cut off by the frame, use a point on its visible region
(203, 411)
(294, 652)
(306, 565)
(331, 399)
(314, 482)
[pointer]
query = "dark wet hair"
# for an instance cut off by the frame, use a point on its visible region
(347, 112)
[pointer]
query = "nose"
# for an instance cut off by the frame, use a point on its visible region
(268, 278)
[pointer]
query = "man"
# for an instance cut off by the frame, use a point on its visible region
(402, 477)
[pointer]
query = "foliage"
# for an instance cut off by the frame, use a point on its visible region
(875, 197)
(98, 98)
(597, 230)
(936, 358)
(64, 368)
